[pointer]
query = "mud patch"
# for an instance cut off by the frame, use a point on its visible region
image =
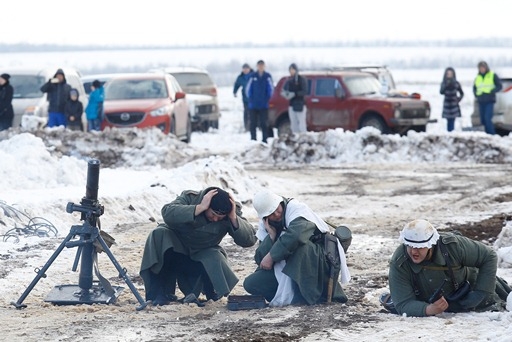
(485, 231)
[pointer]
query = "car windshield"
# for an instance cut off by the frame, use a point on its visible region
(27, 86)
(363, 85)
(190, 79)
(124, 89)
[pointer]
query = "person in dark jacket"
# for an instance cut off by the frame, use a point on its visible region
(74, 110)
(485, 87)
(241, 82)
(58, 95)
(464, 270)
(94, 109)
(185, 249)
(453, 94)
(259, 91)
(294, 90)
(6, 111)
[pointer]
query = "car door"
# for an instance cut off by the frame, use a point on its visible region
(180, 107)
(326, 110)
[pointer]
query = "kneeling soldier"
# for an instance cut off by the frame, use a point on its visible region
(186, 248)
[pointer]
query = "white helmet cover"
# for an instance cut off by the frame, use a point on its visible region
(266, 202)
(419, 234)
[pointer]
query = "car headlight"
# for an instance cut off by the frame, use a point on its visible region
(397, 113)
(160, 111)
(196, 110)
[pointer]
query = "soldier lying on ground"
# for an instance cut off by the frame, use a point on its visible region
(186, 248)
(293, 267)
(431, 273)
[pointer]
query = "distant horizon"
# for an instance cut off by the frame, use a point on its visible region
(495, 42)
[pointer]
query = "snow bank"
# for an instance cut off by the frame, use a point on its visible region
(26, 164)
(134, 148)
(368, 145)
(503, 245)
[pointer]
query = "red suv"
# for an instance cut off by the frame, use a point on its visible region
(147, 100)
(350, 100)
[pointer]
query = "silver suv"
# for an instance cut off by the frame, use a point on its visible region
(29, 101)
(201, 95)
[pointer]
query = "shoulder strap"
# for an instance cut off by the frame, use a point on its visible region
(446, 256)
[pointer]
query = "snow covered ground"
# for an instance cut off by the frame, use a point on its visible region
(373, 183)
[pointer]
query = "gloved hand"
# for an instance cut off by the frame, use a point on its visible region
(473, 299)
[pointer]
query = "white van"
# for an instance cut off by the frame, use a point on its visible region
(29, 100)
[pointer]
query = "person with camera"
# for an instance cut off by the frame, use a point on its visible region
(186, 248)
(432, 272)
(453, 94)
(58, 95)
(292, 264)
(294, 90)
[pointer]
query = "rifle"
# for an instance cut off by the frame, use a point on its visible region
(438, 293)
(333, 258)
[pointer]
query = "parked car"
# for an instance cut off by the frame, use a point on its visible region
(29, 100)
(502, 117)
(103, 78)
(147, 100)
(201, 95)
(383, 74)
(350, 100)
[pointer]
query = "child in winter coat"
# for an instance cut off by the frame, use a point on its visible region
(94, 110)
(74, 110)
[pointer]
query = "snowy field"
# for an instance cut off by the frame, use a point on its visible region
(372, 183)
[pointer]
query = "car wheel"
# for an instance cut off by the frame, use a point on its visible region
(284, 128)
(214, 124)
(420, 128)
(374, 120)
(188, 137)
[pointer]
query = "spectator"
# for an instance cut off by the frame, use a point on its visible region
(453, 94)
(74, 110)
(6, 111)
(94, 110)
(259, 90)
(486, 85)
(294, 90)
(241, 82)
(58, 95)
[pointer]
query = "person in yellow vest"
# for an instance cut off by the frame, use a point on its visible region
(486, 85)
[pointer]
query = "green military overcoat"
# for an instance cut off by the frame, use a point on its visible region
(197, 238)
(470, 260)
(306, 264)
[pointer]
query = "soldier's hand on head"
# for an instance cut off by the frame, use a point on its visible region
(205, 202)
(270, 230)
(437, 307)
(232, 214)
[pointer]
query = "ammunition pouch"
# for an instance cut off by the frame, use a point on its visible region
(460, 293)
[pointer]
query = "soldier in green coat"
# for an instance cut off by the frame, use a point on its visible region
(185, 249)
(292, 266)
(464, 270)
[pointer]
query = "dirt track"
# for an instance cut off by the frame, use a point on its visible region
(375, 201)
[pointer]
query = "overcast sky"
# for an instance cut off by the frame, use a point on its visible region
(193, 22)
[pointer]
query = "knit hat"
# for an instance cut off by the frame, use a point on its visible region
(96, 84)
(221, 202)
(73, 92)
(246, 66)
(5, 76)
